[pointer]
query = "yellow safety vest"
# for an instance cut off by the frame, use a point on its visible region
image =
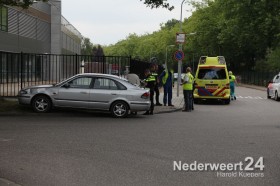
(232, 78)
(150, 78)
(188, 85)
(165, 77)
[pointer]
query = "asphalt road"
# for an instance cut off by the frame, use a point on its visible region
(85, 148)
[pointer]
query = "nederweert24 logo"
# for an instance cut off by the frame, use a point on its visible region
(245, 168)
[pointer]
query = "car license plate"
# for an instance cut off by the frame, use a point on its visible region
(211, 86)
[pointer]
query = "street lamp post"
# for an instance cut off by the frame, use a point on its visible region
(166, 54)
(180, 49)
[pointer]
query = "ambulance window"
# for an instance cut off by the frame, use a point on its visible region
(212, 73)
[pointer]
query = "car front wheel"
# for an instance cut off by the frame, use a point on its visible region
(276, 96)
(41, 104)
(119, 109)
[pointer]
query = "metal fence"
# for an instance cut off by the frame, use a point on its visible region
(19, 70)
(260, 78)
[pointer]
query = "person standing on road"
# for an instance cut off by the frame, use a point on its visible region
(188, 90)
(150, 82)
(232, 82)
(154, 71)
(166, 78)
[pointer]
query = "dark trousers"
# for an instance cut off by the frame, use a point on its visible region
(188, 100)
(152, 92)
(157, 94)
(167, 96)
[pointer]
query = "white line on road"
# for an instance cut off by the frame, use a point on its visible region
(249, 97)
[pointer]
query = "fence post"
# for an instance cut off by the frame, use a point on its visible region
(77, 66)
(21, 70)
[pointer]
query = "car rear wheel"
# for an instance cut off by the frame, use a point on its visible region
(119, 109)
(41, 104)
(276, 97)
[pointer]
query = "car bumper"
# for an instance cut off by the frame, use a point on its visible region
(24, 100)
(196, 96)
(140, 106)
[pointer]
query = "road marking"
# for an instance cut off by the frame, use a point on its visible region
(5, 140)
(249, 97)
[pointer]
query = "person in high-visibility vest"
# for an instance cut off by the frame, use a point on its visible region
(166, 78)
(232, 82)
(150, 82)
(188, 90)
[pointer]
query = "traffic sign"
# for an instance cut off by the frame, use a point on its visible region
(180, 37)
(179, 55)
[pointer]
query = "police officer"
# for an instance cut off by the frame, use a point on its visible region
(188, 90)
(150, 82)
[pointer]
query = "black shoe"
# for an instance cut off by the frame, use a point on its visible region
(158, 104)
(234, 97)
(151, 113)
(164, 104)
(146, 113)
(192, 108)
(170, 105)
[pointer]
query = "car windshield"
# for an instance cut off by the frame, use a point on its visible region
(212, 73)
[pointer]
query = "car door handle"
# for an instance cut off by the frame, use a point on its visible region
(114, 94)
(83, 92)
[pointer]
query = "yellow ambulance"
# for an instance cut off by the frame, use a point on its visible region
(212, 80)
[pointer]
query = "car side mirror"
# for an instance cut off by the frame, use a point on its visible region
(66, 85)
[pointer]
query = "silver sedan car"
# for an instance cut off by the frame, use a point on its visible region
(88, 91)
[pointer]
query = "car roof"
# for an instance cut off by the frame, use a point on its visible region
(98, 74)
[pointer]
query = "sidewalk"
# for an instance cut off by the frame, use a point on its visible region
(177, 101)
(253, 86)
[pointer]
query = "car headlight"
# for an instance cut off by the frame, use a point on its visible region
(25, 91)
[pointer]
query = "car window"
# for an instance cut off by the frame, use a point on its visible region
(212, 73)
(81, 82)
(104, 83)
(277, 79)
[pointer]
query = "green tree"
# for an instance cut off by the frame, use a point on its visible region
(87, 46)
(23, 3)
(158, 3)
(273, 59)
(97, 51)
(27, 3)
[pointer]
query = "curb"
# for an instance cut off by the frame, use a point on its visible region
(253, 87)
(168, 111)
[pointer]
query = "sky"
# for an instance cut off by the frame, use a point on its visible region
(106, 22)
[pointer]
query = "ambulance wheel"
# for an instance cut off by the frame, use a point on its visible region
(227, 101)
(195, 101)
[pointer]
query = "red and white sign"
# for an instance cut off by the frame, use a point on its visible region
(180, 37)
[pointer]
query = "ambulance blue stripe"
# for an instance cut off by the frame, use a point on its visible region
(204, 91)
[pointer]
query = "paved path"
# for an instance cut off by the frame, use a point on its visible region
(177, 101)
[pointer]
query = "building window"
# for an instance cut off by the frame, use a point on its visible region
(3, 18)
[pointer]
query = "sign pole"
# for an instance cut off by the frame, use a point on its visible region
(180, 61)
